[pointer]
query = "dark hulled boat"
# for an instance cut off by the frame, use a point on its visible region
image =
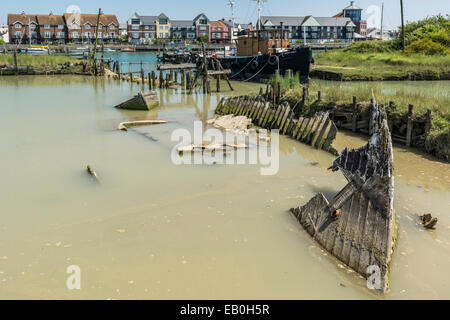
(263, 52)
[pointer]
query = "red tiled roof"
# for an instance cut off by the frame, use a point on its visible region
(22, 18)
(105, 19)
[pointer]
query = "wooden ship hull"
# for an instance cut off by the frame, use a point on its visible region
(140, 101)
(358, 225)
(298, 60)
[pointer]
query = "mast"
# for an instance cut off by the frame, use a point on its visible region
(403, 26)
(232, 3)
(382, 17)
(259, 13)
(96, 33)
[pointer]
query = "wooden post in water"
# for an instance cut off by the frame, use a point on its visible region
(354, 114)
(182, 80)
(161, 79)
(372, 104)
(131, 76)
(150, 81)
(391, 105)
(167, 80)
(153, 80)
(319, 96)
(15, 60)
(142, 75)
(409, 128)
(278, 92)
(205, 69)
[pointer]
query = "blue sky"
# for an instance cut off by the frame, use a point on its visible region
(217, 9)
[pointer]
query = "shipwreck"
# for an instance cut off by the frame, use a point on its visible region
(140, 101)
(358, 226)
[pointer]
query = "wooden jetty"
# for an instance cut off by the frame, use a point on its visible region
(358, 225)
(140, 101)
(318, 131)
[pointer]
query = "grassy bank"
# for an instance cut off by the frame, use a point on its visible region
(341, 97)
(426, 55)
(382, 65)
(42, 63)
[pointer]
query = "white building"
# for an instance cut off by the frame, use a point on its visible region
(4, 34)
(374, 33)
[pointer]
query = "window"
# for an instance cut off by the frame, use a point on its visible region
(203, 28)
(87, 27)
(147, 35)
(146, 27)
(111, 27)
(32, 26)
(134, 27)
(162, 21)
(161, 28)
(87, 34)
(112, 34)
(61, 35)
(18, 34)
(160, 35)
(136, 35)
(74, 34)
(18, 26)
(100, 27)
(167, 35)
(135, 21)
(167, 27)
(47, 34)
(34, 34)
(100, 34)
(60, 26)
(203, 21)
(46, 26)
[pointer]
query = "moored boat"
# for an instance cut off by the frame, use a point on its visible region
(265, 52)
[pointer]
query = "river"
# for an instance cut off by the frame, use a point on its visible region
(154, 230)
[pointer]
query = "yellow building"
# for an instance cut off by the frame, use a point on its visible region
(163, 27)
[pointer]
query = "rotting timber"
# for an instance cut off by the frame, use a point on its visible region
(141, 101)
(318, 131)
(358, 225)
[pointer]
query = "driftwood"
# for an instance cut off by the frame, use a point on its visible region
(210, 147)
(141, 101)
(129, 124)
(358, 225)
(92, 172)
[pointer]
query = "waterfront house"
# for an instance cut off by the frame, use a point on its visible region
(141, 29)
(163, 27)
(20, 26)
(82, 28)
(374, 33)
(202, 24)
(220, 32)
(145, 29)
(355, 14)
(50, 28)
(183, 30)
(313, 29)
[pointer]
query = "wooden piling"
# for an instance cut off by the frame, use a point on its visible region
(354, 114)
(319, 96)
(409, 128)
(161, 79)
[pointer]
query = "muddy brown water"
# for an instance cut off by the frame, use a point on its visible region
(153, 230)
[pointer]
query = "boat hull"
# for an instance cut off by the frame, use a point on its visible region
(298, 60)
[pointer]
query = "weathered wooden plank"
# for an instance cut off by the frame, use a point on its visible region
(218, 72)
(358, 226)
(181, 66)
(264, 113)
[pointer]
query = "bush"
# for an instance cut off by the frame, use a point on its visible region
(426, 46)
(2, 42)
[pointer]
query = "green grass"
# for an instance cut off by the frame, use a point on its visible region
(380, 64)
(341, 94)
(37, 61)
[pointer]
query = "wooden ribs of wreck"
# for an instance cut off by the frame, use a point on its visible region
(140, 101)
(358, 226)
(318, 131)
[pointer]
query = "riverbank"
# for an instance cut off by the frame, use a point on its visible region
(429, 112)
(342, 65)
(42, 64)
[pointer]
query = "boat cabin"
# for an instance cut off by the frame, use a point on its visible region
(263, 42)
